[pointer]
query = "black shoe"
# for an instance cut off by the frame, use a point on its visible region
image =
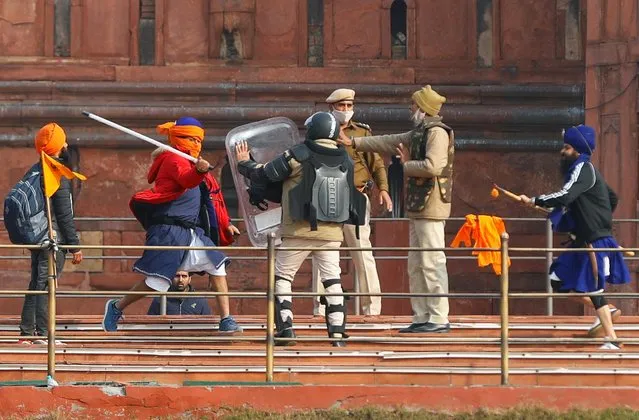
(411, 328)
(430, 327)
(287, 333)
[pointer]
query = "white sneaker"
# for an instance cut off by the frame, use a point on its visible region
(46, 342)
(610, 346)
(596, 327)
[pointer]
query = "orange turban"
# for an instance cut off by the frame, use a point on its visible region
(180, 137)
(50, 139)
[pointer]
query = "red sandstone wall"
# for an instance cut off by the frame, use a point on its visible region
(611, 104)
(466, 41)
(273, 71)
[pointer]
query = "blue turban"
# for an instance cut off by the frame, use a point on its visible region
(188, 121)
(581, 138)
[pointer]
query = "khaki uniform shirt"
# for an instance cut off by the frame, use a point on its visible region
(368, 165)
(431, 167)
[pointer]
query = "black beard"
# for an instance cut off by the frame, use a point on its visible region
(65, 156)
(566, 163)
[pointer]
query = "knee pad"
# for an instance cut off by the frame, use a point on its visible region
(282, 287)
(598, 301)
(333, 286)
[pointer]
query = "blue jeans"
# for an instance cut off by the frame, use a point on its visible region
(35, 314)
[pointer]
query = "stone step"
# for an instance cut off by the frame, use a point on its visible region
(302, 319)
(592, 358)
(171, 350)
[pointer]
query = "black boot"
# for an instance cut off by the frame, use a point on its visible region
(287, 333)
(284, 327)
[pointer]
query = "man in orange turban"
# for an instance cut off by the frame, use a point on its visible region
(170, 214)
(51, 140)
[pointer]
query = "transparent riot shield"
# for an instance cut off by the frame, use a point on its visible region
(266, 140)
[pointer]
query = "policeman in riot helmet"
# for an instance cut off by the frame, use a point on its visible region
(318, 197)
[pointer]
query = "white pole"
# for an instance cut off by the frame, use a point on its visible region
(138, 135)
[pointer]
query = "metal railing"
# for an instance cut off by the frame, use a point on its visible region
(548, 255)
(271, 295)
(549, 235)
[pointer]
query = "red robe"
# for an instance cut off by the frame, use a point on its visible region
(222, 214)
(172, 175)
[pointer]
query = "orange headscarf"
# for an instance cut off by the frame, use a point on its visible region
(50, 139)
(178, 137)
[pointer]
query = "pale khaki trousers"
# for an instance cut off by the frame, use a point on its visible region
(365, 269)
(287, 263)
(427, 271)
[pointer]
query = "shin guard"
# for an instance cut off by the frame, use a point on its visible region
(283, 305)
(335, 308)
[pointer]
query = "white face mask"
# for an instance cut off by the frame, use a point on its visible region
(342, 117)
(418, 117)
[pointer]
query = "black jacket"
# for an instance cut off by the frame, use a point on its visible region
(181, 306)
(590, 201)
(62, 213)
(62, 210)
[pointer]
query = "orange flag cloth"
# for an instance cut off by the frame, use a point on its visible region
(52, 173)
(481, 231)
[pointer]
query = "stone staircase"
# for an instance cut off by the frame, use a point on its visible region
(186, 350)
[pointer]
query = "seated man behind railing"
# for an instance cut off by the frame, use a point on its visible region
(188, 305)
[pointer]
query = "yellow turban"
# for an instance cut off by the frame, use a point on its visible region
(428, 100)
(50, 139)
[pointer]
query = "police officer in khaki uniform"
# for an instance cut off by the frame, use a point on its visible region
(427, 153)
(369, 169)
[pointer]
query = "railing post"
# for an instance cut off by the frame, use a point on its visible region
(162, 304)
(356, 287)
(51, 324)
(270, 307)
(504, 308)
(549, 244)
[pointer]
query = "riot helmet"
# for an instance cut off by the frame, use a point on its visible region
(322, 125)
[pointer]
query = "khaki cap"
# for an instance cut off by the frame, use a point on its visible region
(341, 95)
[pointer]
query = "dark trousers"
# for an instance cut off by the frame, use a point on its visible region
(35, 314)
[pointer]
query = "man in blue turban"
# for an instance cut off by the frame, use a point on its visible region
(586, 203)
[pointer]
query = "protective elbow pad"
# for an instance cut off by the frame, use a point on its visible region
(278, 169)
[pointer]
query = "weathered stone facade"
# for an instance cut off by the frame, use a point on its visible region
(612, 54)
(512, 71)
